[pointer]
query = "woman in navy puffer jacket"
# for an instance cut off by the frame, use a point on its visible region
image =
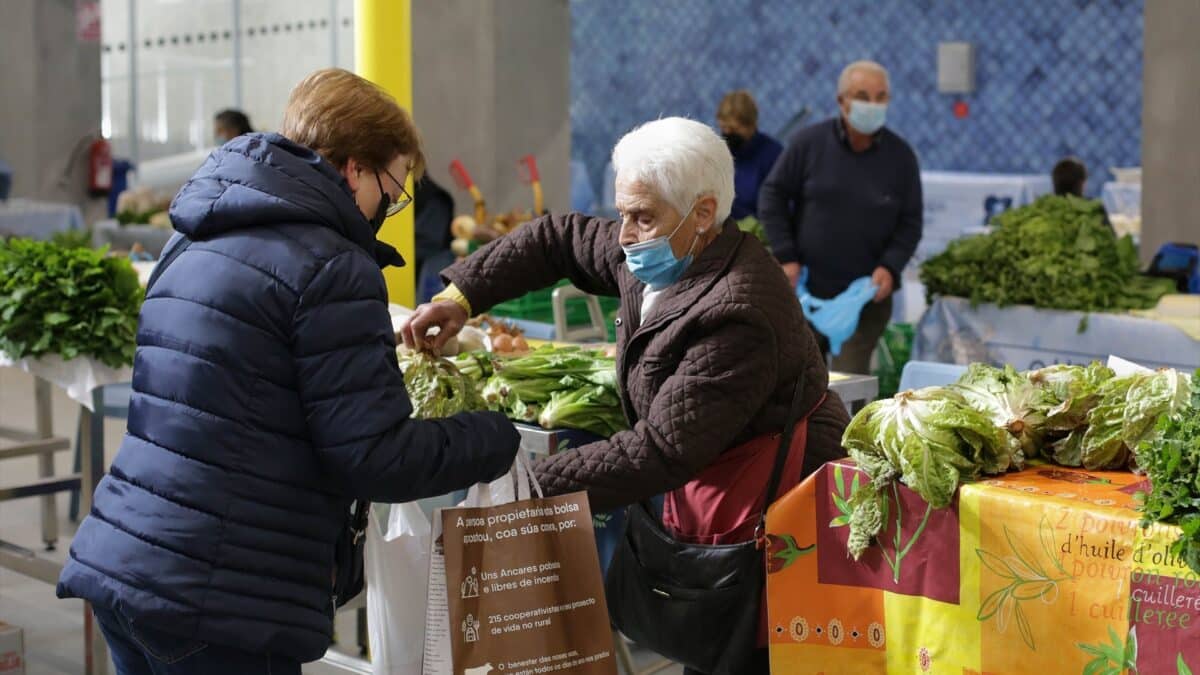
(267, 398)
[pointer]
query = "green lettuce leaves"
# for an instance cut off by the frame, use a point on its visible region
(1171, 459)
(67, 300)
(931, 440)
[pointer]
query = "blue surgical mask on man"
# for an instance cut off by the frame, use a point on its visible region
(654, 263)
(867, 118)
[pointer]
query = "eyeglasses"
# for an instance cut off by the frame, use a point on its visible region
(402, 201)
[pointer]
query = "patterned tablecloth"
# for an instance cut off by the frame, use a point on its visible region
(1043, 571)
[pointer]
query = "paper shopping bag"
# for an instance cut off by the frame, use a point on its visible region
(523, 589)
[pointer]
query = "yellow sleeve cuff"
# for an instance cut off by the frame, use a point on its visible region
(456, 296)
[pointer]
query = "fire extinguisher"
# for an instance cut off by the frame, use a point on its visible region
(100, 167)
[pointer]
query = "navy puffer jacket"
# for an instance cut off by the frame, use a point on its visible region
(266, 398)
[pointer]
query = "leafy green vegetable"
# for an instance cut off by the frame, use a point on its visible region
(1012, 402)
(593, 408)
(1171, 460)
(1055, 253)
(436, 387)
(752, 225)
(67, 301)
(931, 439)
(558, 387)
(72, 239)
(1073, 391)
(1126, 414)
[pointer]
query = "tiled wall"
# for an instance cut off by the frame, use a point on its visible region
(1053, 77)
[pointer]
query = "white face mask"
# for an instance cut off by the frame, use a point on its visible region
(867, 118)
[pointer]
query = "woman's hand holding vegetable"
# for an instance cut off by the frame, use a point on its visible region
(448, 316)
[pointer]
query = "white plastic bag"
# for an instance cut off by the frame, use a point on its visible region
(512, 486)
(397, 566)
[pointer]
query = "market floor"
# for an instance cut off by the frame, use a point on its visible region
(54, 628)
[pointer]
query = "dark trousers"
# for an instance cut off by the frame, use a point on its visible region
(144, 651)
(857, 351)
(759, 664)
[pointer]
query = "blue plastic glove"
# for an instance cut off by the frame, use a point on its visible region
(836, 318)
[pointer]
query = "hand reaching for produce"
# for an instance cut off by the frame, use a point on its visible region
(882, 278)
(448, 316)
(793, 271)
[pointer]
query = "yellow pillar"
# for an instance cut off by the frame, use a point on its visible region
(383, 55)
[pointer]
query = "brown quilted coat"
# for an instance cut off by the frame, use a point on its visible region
(715, 364)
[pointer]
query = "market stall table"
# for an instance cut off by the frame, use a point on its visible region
(81, 378)
(38, 220)
(1027, 338)
(123, 237)
(1018, 575)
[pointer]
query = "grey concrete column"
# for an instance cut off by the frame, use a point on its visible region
(51, 99)
(490, 85)
(1170, 141)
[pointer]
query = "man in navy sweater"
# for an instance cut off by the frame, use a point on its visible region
(844, 200)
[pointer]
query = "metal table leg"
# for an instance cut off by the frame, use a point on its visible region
(45, 429)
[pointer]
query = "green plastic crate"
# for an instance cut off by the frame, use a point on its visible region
(895, 348)
(538, 306)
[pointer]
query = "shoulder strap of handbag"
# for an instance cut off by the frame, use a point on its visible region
(166, 260)
(781, 455)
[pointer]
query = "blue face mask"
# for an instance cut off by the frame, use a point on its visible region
(867, 118)
(654, 263)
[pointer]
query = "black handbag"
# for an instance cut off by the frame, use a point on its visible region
(350, 577)
(348, 555)
(695, 604)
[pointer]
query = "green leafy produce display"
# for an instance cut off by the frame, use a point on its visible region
(436, 387)
(556, 387)
(1012, 402)
(1055, 253)
(70, 301)
(1072, 392)
(929, 439)
(1171, 461)
(993, 419)
(754, 226)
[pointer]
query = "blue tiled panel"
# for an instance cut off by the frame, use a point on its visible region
(1053, 77)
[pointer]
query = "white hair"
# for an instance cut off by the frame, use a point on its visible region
(867, 66)
(682, 159)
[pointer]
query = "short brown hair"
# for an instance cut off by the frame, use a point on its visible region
(1068, 176)
(739, 106)
(340, 115)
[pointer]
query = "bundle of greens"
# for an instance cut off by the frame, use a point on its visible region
(1126, 413)
(1171, 461)
(436, 387)
(752, 225)
(1073, 391)
(931, 440)
(1012, 402)
(1055, 253)
(558, 387)
(71, 301)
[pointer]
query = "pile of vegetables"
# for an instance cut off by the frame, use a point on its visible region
(929, 439)
(67, 300)
(1171, 460)
(1055, 253)
(554, 387)
(558, 387)
(752, 225)
(143, 206)
(994, 419)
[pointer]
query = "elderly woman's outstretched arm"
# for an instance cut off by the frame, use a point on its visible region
(538, 254)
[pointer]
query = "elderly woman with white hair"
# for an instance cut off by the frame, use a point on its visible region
(711, 345)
